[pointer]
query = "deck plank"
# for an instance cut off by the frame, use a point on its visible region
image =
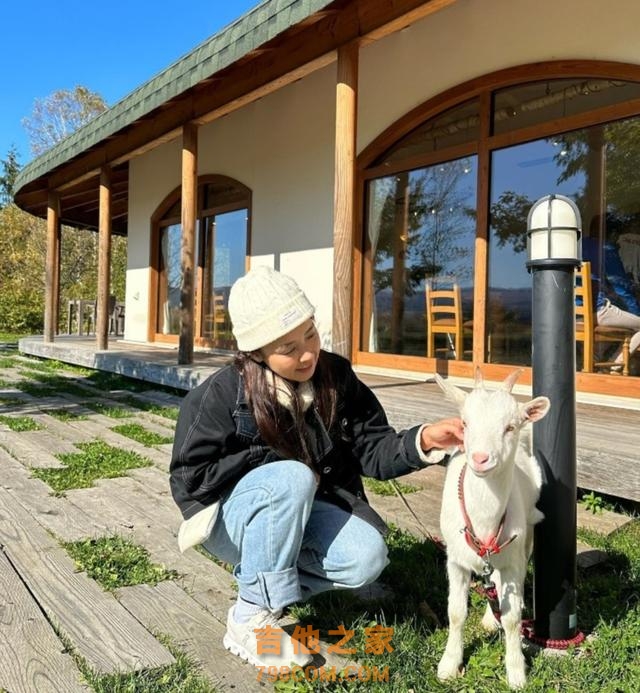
(55, 513)
(167, 609)
(154, 526)
(607, 459)
(32, 658)
(99, 628)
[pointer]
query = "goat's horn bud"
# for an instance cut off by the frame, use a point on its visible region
(510, 380)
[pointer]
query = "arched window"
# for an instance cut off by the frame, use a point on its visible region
(222, 241)
(447, 190)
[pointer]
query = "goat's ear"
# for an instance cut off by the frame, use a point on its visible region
(535, 409)
(510, 380)
(452, 393)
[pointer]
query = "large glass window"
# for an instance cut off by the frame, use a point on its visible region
(421, 227)
(223, 261)
(593, 166)
(221, 249)
(465, 179)
(170, 280)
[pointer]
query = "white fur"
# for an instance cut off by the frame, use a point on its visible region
(501, 475)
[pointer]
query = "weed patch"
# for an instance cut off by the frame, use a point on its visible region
(66, 415)
(117, 562)
(385, 488)
(159, 410)
(104, 380)
(182, 677)
(109, 410)
(97, 460)
(141, 434)
(20, 423)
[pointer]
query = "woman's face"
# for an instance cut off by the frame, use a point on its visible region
(295, 355)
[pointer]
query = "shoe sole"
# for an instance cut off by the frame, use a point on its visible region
(244, 654)
(239, 651)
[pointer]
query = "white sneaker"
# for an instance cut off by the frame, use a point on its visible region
(242, 640)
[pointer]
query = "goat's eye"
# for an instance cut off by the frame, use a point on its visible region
(464, 424)
(509, 429)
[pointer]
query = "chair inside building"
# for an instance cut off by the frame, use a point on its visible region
(596, 339)
(444, 317)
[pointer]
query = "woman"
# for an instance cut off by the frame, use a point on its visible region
(267, 464)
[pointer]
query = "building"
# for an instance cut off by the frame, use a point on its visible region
(369, 148)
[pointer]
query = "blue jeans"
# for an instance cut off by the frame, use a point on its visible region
(287, 546)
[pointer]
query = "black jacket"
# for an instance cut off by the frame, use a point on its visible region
(217, 442)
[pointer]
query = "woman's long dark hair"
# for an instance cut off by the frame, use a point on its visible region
(281, 429)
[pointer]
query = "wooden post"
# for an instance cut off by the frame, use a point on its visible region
(51, 279)
(56, 282)
(189, 213)
(344, 196)
(104, 259)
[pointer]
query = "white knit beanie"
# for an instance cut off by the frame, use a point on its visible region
(264, 305)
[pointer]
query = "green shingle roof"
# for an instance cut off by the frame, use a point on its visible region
(256, 27)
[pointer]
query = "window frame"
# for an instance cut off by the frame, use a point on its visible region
(481, 88)
(158, 222)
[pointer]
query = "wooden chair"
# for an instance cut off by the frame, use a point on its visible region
(591, 334)
(444, 316)
(216, 321)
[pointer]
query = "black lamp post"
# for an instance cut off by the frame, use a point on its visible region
(553, 249)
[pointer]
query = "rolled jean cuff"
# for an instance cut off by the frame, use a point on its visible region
(273, 590)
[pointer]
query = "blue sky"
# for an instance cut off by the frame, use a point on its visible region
(110, 48)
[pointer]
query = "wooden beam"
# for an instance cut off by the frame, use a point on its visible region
(52, 269)
(104, 259)
(189, 213)
(344, 196)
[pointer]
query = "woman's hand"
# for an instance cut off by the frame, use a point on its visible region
(443, 434)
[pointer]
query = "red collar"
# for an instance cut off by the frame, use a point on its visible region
(482, 548)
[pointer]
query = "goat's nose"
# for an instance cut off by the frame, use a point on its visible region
(480, 457)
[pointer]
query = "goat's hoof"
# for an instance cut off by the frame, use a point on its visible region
(516, 680)
(449, 669)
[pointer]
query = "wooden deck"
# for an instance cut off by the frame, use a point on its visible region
(48, 607)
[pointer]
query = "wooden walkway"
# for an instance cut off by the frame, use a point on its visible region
(48, 607)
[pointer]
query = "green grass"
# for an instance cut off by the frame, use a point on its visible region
(96, 460)
(182, 677)
(159, 410)
(7, 362)
(66, 415)
(112, 381)
(9, 401)
(20, 423)
(50, 385)
(109, 410)
(386, 488)
(116, 562)
(141, 434)
(608, 608)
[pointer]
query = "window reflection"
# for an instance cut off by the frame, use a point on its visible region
(596, 168)
(421, 226)
(170, 280)
(222, 229)
(223, 262)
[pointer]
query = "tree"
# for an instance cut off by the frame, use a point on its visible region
(22, 253)
(23, 237)
(60, 114)
(10, 170)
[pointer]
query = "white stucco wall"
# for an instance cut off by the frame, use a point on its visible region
(472, 38)
(282, 146)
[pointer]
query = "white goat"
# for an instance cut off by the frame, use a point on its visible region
(488, 512)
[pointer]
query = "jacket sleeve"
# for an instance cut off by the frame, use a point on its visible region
(207, 456)
(383, 452)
